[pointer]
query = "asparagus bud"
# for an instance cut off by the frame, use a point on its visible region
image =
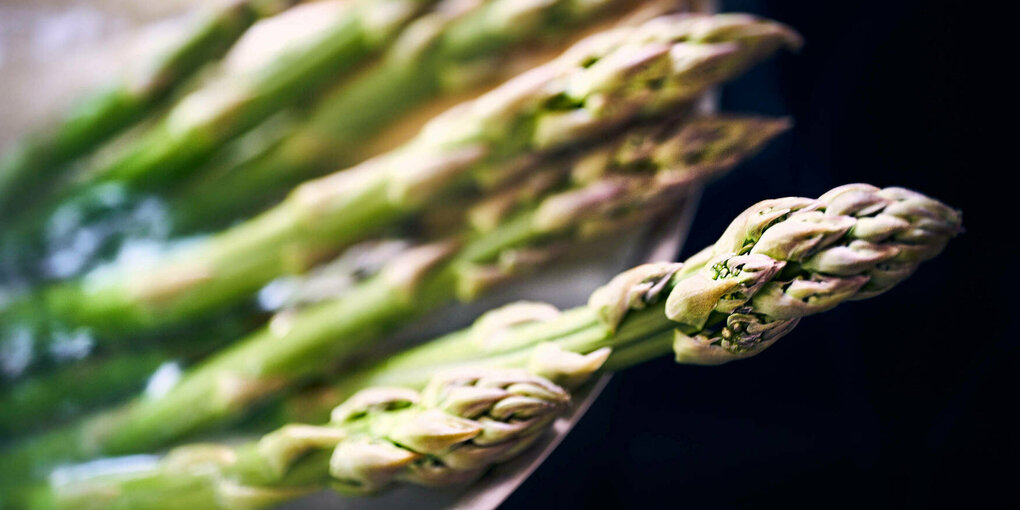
(463, 422)
(784, 259)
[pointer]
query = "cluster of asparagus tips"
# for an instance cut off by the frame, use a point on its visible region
(779, 261)
(625, 182)
(462, 423)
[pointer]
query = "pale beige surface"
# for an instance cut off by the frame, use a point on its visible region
(52, 50)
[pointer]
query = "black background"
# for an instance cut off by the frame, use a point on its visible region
(900, 401)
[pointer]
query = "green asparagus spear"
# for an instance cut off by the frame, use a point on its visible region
(615, 185)
(781, 260)
(456, 45)
(346, 32)
(601, 83)
(38, 159)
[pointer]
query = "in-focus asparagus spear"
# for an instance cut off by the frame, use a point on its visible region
(617, 184)
(779, 261)
(601, 83)
(37, 160)
(458, 44)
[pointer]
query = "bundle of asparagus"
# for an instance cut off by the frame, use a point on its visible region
(595, 142)
(36, 160)
(456, 45)
(451, 48)
(489, 391)
(597, 86)
(43, 398)
(611, 186)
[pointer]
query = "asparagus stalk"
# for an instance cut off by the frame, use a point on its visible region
(615, 185)
(205, 119)
(456, 45)
(598, 85)
(38, 159)
(779, 261)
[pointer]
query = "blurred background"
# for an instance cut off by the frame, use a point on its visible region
(903, 402)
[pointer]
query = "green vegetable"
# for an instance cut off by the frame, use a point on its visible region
(445, 50)
(600, 84)
(612, 186)
(490, 390)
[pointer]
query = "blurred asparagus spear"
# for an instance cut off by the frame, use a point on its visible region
(465, 46)
(38, 159)
(334, 36)
(613, 186)
(458, 44)
(600, 84)
(47, 399)
(779, 261)
(84, 378)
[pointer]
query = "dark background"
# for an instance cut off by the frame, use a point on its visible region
(900, 401)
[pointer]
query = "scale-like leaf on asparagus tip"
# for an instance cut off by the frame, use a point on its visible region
(367, 464)
(633, 289)
(565, 368)
(373, 400)
(492, 326)
(287, 444)
(742, 336)
(721, 287)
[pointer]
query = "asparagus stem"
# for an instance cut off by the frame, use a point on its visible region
(598, 85)
(646, 170)
(38, 159)
(779, 261)
(207, 118)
